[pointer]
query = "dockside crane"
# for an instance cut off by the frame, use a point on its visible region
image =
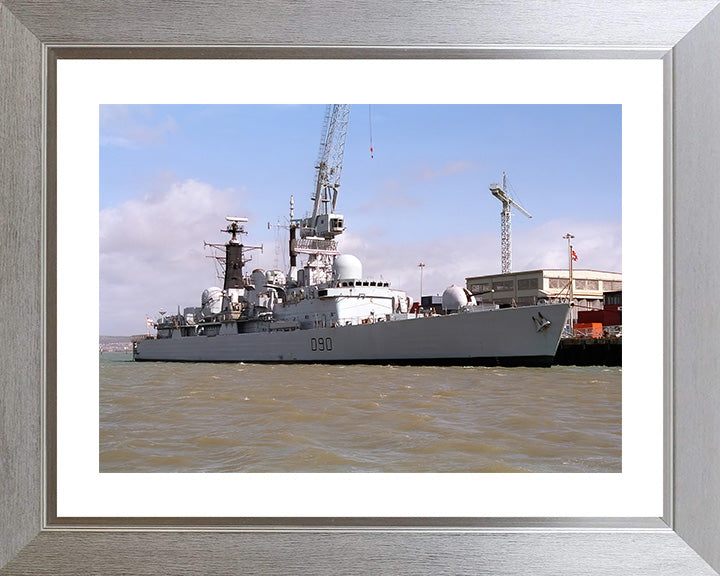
(330, 158)
(501, 193)
(318, 231)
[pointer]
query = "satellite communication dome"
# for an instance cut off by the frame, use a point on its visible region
(347, 267)
(454, 298)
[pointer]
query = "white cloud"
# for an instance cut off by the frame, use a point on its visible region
(447, 260)
(598, 245)
(451, 259)
(152, 255)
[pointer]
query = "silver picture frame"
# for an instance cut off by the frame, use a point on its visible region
(685, 34)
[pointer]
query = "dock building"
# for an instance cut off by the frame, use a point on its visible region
(532, 286)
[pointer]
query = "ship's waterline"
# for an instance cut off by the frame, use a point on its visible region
(207, 417)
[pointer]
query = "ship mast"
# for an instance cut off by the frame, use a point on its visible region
(234, 254)
(234, 259)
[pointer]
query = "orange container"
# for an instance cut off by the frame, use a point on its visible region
(588, 330)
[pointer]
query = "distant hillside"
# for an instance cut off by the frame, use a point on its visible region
(114, 340)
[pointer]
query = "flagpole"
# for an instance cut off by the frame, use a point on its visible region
(569, 237)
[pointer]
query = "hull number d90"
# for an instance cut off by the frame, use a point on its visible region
(321, 344)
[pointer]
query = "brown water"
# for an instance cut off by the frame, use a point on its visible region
(187, 417)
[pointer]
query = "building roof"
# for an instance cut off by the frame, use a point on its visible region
(546, 270)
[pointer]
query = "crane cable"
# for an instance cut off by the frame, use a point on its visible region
(370, 121)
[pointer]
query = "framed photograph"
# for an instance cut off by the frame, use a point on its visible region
(61, 515)
(603, 114)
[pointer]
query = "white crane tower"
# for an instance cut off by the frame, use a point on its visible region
(330, 158)
(501, 193)
(317, 232)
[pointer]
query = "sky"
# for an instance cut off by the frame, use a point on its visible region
(170, 174)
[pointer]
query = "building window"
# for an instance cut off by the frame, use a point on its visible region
(613, 299)
(527, 284)
(586, 284)
(558, 283)
(479, 287)
(503, 285)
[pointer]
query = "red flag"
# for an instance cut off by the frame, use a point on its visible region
(574, 256)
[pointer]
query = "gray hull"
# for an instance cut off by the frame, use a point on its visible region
(511, 336)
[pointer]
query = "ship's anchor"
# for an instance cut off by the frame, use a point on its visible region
(540, 322)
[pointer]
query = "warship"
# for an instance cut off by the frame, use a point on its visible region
(324, 310)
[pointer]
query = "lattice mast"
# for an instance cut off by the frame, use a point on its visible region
(502, 194)
(317, 232)
(328, 166)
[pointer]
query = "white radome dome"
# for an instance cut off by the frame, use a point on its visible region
(347, 267)
(454, 298)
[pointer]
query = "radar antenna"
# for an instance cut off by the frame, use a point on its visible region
(235, 227)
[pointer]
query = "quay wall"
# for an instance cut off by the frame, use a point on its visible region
(589, 352)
